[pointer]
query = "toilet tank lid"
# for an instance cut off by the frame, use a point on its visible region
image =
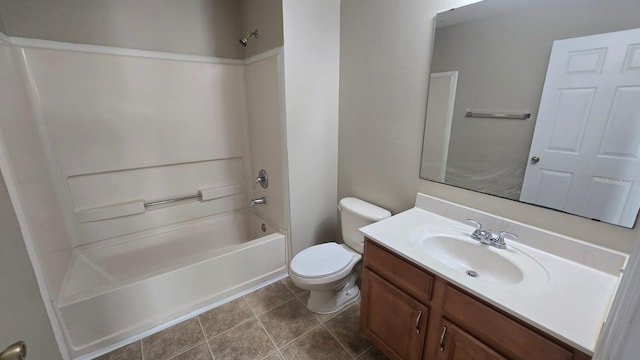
(363, 209)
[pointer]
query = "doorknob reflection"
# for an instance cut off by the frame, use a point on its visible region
(17, 351)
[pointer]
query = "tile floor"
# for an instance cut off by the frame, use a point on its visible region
(271, 323)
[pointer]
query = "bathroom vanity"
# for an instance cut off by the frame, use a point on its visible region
(429, 291)
(449, 322)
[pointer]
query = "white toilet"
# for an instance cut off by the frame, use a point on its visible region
(329, 270)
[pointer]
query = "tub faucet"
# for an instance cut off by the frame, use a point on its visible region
(257, 201)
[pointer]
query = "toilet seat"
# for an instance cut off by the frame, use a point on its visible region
(321, 261)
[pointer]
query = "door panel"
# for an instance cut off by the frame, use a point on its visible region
(632, 60)
(621, 138)
(570, 119)
(554, 187)
(605, 197)
(586, 61)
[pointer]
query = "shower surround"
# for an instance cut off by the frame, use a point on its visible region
(92, 134)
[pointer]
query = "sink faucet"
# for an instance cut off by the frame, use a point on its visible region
(488, 238)
(257, 201)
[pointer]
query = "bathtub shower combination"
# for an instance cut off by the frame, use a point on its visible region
(131, 173)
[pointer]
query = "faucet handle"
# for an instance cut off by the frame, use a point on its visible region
(476, 233)
(262, 179)
(502, 234)
(499, 241)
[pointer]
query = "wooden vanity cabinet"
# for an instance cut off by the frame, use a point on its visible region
(405, 311)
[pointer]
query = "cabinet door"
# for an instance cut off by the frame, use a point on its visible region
(456, 344)
(391, 319)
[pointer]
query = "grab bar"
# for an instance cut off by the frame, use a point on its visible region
(518, 116)
(168, 201)
(140, 206)
(202, 195)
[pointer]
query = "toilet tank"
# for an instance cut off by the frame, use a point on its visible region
(354, 214)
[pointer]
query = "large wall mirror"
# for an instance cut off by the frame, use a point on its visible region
(539, 101)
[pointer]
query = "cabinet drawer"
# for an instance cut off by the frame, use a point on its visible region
(413, 280)
(505, 335)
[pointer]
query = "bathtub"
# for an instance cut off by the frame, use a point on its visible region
(125, 287)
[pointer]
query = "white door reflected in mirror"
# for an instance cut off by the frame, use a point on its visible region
(441, 100)
(588, 130)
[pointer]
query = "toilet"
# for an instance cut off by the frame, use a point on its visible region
(329, 270)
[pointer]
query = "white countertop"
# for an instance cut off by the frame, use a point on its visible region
(571, 304)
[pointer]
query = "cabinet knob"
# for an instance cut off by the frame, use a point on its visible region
(444, 332)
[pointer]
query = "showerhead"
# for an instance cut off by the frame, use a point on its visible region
(245, 39)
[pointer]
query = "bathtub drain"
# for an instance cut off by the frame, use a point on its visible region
(472, 273)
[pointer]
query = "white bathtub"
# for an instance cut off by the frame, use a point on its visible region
(130, 285)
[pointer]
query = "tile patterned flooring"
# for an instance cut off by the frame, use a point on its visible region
(271, 323)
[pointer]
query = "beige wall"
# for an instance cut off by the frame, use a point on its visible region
(199, 27)
(2, 27)
(23, 316)
(311, 68)
(505, 70)
(385, 57)
(266, 16)
(384, 62)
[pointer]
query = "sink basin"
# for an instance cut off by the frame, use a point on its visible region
(455, 249)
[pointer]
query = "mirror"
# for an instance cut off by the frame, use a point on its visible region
(539, 101)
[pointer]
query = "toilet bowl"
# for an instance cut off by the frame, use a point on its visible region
(330, 270)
